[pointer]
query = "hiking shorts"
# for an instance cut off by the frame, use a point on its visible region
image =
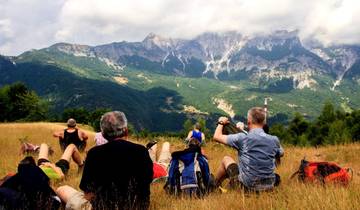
(77, 201)
(63, 165)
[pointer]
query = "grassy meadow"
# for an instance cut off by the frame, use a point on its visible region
(290, 195)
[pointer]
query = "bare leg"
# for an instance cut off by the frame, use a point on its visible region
(65, 192)
(152, 152)
(165, 155)
(72, 151)
(221, 174)
(44, 152)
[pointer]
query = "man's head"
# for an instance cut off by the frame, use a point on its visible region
(113, 125)
(28, 160)
(71, 123)
(256, 117)
(197, 126)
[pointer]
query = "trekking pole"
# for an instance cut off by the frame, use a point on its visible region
(266, 107)
(232, 128)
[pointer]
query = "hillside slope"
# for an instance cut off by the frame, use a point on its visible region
(160, 82)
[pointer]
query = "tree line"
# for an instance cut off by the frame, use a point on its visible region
(332, 126)
(19, 104)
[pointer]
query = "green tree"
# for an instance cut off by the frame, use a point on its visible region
(187, 126)
(81, 115)
(94, 117)
(282, 133)
(17, 102)
(328, 114)
(335, 134)
(204, 129)
(298, 125)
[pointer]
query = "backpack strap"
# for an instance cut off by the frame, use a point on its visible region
(294, 174)
(303, 164)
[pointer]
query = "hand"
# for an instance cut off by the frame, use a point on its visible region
(240, 125)
(223, 120)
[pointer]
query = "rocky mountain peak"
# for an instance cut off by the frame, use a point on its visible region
(74, 49)
(277, 38)
(220, 53)
(153, 40)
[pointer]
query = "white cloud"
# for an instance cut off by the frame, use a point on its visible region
(37, 23)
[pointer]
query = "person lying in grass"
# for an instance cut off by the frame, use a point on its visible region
(61, 167)
(29, 188)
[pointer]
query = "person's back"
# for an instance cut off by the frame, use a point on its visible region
(120, 173)
(197, 135)
(257, 153)
(71, 136)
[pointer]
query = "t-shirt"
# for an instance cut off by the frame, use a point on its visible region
(256, 151)
(99, 139)
(159, 171)
(119, 173)
(50, 173)
(197, 135)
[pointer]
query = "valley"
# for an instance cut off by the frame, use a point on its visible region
(214, 74)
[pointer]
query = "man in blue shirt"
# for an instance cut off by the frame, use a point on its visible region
(256, 153)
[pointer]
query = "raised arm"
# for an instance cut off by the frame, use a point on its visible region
(218, 135)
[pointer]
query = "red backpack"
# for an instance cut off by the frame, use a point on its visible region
(323, 172)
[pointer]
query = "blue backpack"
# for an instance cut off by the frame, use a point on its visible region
(189, 174)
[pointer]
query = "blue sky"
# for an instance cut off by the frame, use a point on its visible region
(33, 24)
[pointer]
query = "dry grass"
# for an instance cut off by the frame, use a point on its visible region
(290, 195)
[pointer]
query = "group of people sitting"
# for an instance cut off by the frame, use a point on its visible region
(116, 173)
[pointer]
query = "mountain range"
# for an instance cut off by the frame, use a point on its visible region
(209, 75)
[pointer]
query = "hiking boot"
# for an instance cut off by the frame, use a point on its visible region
(27, 148)
(151, 143)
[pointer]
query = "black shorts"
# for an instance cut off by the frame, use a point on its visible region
(63, 165)
(42, 160)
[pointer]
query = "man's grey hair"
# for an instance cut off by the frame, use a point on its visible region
(113, 125)
(257, 115)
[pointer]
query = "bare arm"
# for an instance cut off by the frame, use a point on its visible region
(218, 135)
(189, 135)
(59, 134)
(83, 136)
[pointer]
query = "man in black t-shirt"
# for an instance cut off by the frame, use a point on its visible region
(117, 175)
(71, 135)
